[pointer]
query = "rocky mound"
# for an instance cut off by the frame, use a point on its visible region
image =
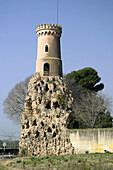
(43, 125)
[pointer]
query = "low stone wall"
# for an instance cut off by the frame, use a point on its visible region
(92, 140)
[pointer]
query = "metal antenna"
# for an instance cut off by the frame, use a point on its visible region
(57, 11)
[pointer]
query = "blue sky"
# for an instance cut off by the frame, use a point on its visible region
(87, 41)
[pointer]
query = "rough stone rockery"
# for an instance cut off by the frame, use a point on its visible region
(43, 126)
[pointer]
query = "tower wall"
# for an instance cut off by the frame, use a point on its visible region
(49, 35)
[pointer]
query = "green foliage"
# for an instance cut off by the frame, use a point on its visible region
(38, 110)
(87, 78)
(79, 160)
(102, 122)
(60, 99)
(18, 161)
(105, 122)
(57, 89)
(51, 82)
(23, 164)
(58, 115)
(24, 152)
(81, 83)
(2, 167)
(86, 152)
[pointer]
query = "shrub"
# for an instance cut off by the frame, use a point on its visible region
(60, 99)
(58, 115)
(38, 110)
(86, 152)
(24, 152)
(50, 81)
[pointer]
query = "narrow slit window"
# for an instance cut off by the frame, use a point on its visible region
(46, 48)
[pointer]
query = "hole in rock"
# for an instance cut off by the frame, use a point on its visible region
(34, 123)
(50, 91)
(55, 104)
(46, 87)
(67, 109)
(25, 117)
(42, 82)
(42, 123)
(54, 86)
(37, 133)
(46, 145)
(53, 126)
(28, 103)
(27, 125)
(53, 79)
(45, 134)
(56, 131)
(29, 133)
(48, 106)
(54, 135)
(38, 84)
(23, 127)
(39, 101)
(59, 138)
(59, 152)
(49, 129)
(36, 88)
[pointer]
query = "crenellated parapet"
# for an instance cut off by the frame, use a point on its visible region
(49, 29)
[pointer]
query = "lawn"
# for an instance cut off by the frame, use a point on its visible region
(97, 161)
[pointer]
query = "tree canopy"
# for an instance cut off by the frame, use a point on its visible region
(90, 111)
(87, 78)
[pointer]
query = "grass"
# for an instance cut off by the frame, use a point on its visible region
(90, 161)
(2, 167)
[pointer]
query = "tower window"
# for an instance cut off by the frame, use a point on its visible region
(46, 69)
(46, 48)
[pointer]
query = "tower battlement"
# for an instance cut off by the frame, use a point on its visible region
(48, 29)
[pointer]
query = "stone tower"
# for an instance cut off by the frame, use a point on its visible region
(47, 104)
(49, 61)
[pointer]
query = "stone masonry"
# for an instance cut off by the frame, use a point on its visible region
(43, 125)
